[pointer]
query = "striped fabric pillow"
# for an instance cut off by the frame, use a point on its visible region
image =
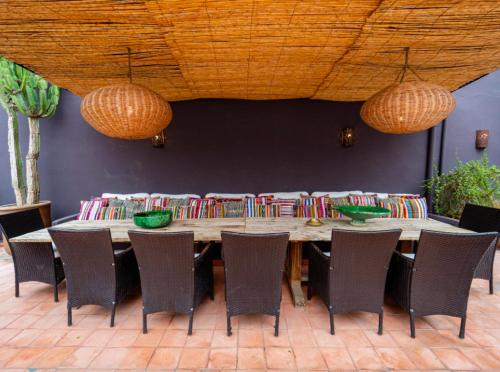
(231, 209)
(416, 208)
(314, 207)
(111, 213)
(256, 207)
(338, 202)
(284, 207)
(89, 210)
(201, 208)
(365, 200)
(153, 204)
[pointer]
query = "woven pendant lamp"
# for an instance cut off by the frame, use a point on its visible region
(407, 107)
(126, 111)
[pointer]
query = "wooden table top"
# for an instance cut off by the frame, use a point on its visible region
(210, 229)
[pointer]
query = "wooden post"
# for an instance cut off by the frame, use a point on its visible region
(294, 273)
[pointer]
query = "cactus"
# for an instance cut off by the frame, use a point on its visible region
(32, 96)
(11, 77)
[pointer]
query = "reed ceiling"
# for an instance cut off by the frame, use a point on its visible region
(261, 49)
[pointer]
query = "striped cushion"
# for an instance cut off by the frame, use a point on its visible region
(256, 207)
(314, 207)
(201, 208)
(338, 202)
(231, 209)
(416, 208)
(284, 207)
(89, 210)
(153, 204)
(111, 213)
(367, 200)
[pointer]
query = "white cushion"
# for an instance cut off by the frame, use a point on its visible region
(335, 194)
(286, 195)
(228, 196)
(326, 254)
(175, 196)
(138, 195)
(196, 255)
(411, 256)
(56, 252)
(380, 195)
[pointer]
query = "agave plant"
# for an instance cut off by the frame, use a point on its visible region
(25, 92)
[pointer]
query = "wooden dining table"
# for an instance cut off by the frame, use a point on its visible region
(210, 230)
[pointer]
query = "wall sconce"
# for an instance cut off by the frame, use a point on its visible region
(158, 140)
(347, 137)
(482, 137)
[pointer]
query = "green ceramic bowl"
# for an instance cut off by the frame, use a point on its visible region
(359, 214)
(153, 219)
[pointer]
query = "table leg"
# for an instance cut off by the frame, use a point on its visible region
(294, 273)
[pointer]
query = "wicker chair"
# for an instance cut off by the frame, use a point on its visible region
(482, 219)
(95, 273)
(173, 277)
(32, 261)
(352, 275)
(437, 279)
(253, 265)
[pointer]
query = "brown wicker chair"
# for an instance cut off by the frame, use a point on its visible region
(351, 277)
(253, 265)
(437, 279)
(173, 277)
(95, 273)
(482, 219)
(32, 261)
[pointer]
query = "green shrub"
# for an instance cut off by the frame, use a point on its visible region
(476, 182)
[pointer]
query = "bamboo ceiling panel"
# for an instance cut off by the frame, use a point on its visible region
(344, 50)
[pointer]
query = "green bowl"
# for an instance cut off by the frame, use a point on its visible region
(359, 213)
(153, 219)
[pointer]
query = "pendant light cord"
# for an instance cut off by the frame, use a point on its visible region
(129, 67)
(406, 67)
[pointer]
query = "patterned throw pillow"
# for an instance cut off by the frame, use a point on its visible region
(394, 205)
(201, 208)
(337, 202)
(405, 207)
(133, 206)
(115, 203)
(111, 213)
(89, 210)
(284, 207)
(255, 207)
(314, 207)
(366, 200)
(153, 204)
(231, 209)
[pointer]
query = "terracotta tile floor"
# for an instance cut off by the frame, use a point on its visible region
(34, 335)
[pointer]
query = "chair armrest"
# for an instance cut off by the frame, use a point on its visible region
(65, 219)
(315, 250)
(204, 255)
(448, 220)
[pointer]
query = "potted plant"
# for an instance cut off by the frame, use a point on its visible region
(475, 181)
(22, 91)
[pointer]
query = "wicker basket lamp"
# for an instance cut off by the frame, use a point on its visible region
(407, 107)
(126, 111)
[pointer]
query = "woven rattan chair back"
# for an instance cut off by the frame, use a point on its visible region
(166, 265)
(443, 271)
(358, 269)
(254, 265)
(483, 219)
(32, 261)
(89, 265)
(19, 223)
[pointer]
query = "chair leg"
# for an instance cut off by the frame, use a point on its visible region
(56, 293)
(144, 322)
(113, 311)
(462, 327)
(381, 322)
(17, 288)
(190, 328)
(277, 325)
(412, 324)
(491, 284)
(309, 291)
(229, 328)
(70, 316)
(332, 324)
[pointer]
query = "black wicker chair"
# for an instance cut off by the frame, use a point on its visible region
(95, 274)
(352, 275)
(482, 219)
(437, 279)
(173, 277)
(32, 261)
(253, 265)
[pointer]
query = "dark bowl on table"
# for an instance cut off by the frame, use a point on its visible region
(153, 219)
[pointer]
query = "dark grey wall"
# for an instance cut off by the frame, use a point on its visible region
(478, 107)
(225, 146)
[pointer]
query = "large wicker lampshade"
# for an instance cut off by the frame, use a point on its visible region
(126, 111)
(407, 107)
